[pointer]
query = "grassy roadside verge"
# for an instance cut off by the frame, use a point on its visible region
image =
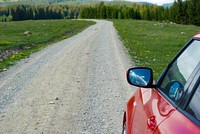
(19, 39)
(153, 44)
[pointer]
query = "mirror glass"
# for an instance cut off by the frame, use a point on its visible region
(176, 91)
(139, 76)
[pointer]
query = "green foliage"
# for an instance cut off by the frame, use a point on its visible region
(134, 11)
(153, 44)
(41, 33)
(32, 12)
(4, 43)
(182, 12)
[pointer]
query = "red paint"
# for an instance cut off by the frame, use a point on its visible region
(160, 116)
(197, 35)
(149, 112)
(177, 123)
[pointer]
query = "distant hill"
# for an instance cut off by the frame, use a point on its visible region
(168, 5)
(49, 1)
(145, 3)
(115, 2)
(45, 1)
(7, 2)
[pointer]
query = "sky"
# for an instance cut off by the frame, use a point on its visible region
(158, 2)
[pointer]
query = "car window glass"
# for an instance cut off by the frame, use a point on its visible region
(180, 71)
(193, 107)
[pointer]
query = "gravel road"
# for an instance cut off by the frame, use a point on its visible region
(76, 86)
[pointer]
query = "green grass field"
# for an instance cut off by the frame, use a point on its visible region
(43, 33)
(12, 33)
(153, 44)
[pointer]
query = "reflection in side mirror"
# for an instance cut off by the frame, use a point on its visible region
(140, 76)
(176, 90)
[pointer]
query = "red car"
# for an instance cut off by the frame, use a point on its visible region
(171, 105)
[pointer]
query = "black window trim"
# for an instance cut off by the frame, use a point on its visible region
(183, 109)
(190, 86)
(160, 79)
(190, 117)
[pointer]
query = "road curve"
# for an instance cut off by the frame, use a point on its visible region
(76, 86)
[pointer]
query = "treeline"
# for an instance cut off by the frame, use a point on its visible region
(136, 11)
(31, 12)
(186, 12)
(8, 2)
(182, 12)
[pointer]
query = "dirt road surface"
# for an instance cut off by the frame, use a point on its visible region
(76, 86)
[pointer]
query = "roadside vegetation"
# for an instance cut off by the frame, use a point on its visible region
(149, 42)
(153, 44)
(181, 12)
(19, 39)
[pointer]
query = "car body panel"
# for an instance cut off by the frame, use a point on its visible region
(149, 110)
(145, 104)
(178, 123)
(197, 35)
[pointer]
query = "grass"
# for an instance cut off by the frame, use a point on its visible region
(153, 44)
(43, 33)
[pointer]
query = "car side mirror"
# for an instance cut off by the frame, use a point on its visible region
(140, 76)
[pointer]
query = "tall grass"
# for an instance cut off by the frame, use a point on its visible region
(153, 44)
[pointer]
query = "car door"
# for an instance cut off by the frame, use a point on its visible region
(177, 85)
(153, 107)
(185, 120)
(150, 110)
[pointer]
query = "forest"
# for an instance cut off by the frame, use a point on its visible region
(181, 12)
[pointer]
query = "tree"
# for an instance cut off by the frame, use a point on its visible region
(185, 16)
(131, 13)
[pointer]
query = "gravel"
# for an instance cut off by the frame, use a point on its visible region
(76, 86)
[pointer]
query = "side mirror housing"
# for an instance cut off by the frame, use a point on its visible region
(140, 77)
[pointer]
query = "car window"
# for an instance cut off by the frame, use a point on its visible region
(178, 74)
(193, 107)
